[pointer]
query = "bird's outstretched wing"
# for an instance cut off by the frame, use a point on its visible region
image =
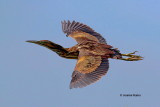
(80, 79)
(89, 68)
(82, 30)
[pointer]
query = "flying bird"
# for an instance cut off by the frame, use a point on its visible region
(91, 51)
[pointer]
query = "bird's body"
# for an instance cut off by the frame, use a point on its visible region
(91, 50)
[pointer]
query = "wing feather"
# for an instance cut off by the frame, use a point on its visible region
(70, 27)
(73, 24)
(76, 26)
(80, 80)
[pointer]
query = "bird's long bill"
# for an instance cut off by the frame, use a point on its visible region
(44, 43)
(32, 41)
(40, 42)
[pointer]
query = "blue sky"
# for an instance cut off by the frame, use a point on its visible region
(32, 76)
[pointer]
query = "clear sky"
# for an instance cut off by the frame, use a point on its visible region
(33, 76)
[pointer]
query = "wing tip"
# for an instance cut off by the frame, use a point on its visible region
(70, 26)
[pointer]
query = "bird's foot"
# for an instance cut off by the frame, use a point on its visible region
(131, 57)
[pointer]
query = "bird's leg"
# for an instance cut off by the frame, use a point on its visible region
(131, 57)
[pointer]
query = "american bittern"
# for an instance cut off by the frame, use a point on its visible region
(92, 53)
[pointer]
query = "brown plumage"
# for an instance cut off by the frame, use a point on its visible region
(92, 53)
